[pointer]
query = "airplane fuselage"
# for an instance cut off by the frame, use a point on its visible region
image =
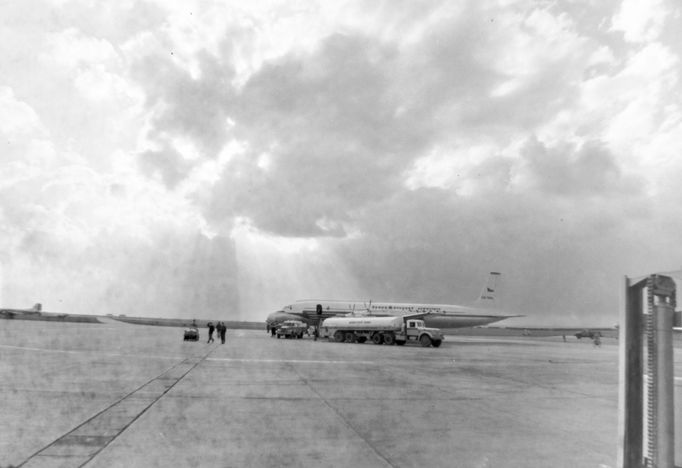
(19, 312)
(434, 315)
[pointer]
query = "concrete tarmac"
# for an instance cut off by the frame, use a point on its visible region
(118, 395)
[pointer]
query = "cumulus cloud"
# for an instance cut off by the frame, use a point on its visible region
(17, 117)
(573, 171)
(241, 156)
(639, 22)
(103, 243)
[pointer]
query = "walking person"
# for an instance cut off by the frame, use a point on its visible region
(211, 328)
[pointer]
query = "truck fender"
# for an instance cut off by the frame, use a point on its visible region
(425, 340)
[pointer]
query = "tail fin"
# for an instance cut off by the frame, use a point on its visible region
(488, 297)
(37, 307)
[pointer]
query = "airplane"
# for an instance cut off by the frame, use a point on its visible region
(434, 315)
(11, 313)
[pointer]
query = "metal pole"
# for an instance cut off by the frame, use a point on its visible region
(665, 423)
(630, 376)
(660, 434)
(652, 377)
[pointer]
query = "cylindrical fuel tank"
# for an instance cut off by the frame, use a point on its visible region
(363, 323)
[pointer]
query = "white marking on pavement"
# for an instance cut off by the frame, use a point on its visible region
(26, 348)
(76, 351)
(296, 361)
(496, 340)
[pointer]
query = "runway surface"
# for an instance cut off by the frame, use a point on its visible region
(118, 395)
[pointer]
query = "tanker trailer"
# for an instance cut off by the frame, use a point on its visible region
(381, 330)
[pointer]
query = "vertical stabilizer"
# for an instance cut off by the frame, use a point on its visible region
(488, 296)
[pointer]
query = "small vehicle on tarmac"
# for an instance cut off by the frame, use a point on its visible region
(191, 334)
(587, 334)
(291, 329)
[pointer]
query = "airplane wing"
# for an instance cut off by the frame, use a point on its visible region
(418, 315)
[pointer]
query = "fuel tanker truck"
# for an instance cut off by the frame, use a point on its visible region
(380, 330)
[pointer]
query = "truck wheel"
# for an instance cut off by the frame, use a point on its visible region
(425, 341)
(338, 336)
(436, 343)
(361, 339)
(399, 342)
(350, 337)
(377, 338)
(389, 339)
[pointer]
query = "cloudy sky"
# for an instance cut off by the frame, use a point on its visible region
(219, 159)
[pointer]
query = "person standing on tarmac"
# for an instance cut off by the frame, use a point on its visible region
(597, 339)
(222, 330)
(211, 328)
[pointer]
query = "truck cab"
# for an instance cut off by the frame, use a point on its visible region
(415, 324)
(415, 330)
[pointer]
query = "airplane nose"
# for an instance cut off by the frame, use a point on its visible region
(273, 317)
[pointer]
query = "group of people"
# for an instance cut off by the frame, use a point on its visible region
(220, 328)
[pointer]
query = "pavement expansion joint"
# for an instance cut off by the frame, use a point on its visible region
(82, 440)
(83, 443)
(380, 456)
